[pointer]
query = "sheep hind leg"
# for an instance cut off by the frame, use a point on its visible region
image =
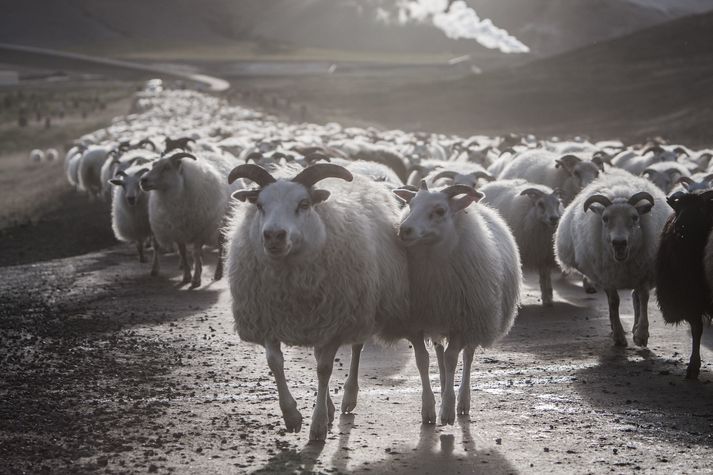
(140, 250)
(441, 366)
(641, 325)
(320, 417)
(617, 330)
(694, 365)
(351, 386)
(155, 264)
(197, 265)
(186, 267)
(288, 406)
(428, 400)
(463, 408)
(219, 266)
(448, 396)
(546, 286)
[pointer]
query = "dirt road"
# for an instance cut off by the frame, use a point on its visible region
(107, 369)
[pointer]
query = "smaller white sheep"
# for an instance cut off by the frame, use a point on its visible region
(665, 174)
(129, 210)
(532, 211)
(37, 155)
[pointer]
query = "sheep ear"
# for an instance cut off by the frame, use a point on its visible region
(597, 208)
(404, 195)
(568, 162)
(318, 196)
(116, 181)
(644, 208)
(246, 195)
(459, 204)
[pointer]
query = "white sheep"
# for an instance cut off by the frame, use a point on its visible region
(129, 210)
(610, 234)
(89, 169)
(188, 201)
(310, 271)
(51, 155)
(665, 174)
(532, 211)
(71, 164)
(567, 173)
(636, 161)
(465, 279)
(119, 161)
(37, 155)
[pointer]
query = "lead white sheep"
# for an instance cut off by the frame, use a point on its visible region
(306, 270)
(129, 210)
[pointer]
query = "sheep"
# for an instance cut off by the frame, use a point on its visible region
(665, 174)
(51, 155)
(310, 271)
(188, 202)
(697, 182)
(464, 279)
(118, 161)
(89, 170)
(681, 288)
(635, 162)
(615, 244)
(129, 210)
(459, 175)
(37, 155)
(532, 212)
(71, 164)
(568, 173)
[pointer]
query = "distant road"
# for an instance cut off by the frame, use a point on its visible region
(11, 53)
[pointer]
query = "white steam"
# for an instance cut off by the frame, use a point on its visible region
(458, 21)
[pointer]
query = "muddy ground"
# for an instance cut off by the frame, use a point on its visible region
(107, 369)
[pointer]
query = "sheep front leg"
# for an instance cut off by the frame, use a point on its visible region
(219, 267)
(428, 400)
(197, 265)
(641, 326)
(320, 417)
(186, 267)
(448, 395)
(463, 408)
(155, 265)
(288, 406)
(615, 321)
(546, 286)
(694, 365)
(351, 386)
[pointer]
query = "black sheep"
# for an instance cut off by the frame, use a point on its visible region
(681, 287)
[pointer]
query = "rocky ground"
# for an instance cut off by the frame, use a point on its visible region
(106, 369)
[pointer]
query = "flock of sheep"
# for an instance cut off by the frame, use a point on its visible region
(335, 235)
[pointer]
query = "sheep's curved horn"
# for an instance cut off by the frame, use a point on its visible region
(687, 180)
(141, 171)
(120, 173)
(601, 199)
(408, 188)
(602, 156)
(311, 175)
(642, 195)
(481, 175)
(708, 177)
(424, 185)
(508, 150)
(456, 190)
(443, 174)
(533, 192)
(181, 155)
(252, 172)
(649, 171)
(254, 156)
(147, 142)
(316, 156)
(653, 148)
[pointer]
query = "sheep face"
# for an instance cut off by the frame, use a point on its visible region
(130, 181)
(286, 223)
(621, 227)
(165, 173)
(547, 207)
(430, 217)
(663, 180)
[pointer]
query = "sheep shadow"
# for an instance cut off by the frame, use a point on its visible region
(647, 394)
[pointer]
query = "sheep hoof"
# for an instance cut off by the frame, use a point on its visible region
(186, 279)
(641, 339)
(293, 420)
(318, 431)
(548, 303)
(428, 409)
(448, 410)
(349, 400)
(218, 274)
(692, 372)
(620, 340)
(195, 284)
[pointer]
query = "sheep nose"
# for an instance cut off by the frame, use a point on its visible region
(405, 232)
(619, 243)
(131, 200)
(274, 235)
(554, 220)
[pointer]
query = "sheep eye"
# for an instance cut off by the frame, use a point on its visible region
(259, 207)
(304, 204)
(541, 204)
(605, 219)
(440, 212)
(635, 218)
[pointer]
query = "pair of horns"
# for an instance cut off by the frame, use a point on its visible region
(307, 177)
(452, 174)
(606, 202)
(449, 191)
